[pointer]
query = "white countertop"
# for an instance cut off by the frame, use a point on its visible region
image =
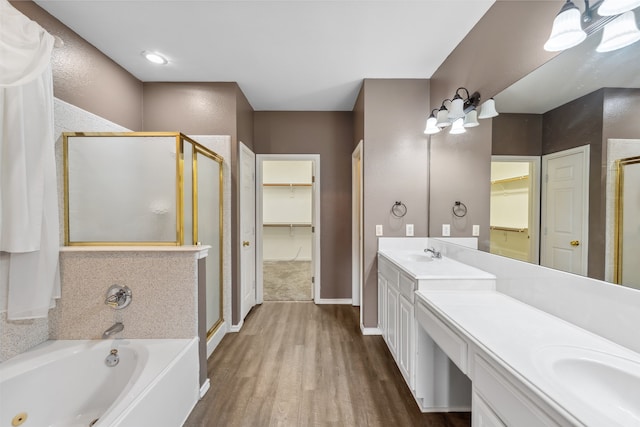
(519, 336)
(443, 268)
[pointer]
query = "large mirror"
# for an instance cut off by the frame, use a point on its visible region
(578, 115)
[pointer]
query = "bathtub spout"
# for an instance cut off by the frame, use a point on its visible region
(117, 327)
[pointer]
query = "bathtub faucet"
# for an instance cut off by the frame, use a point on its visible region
(433, 251)
(114, 329)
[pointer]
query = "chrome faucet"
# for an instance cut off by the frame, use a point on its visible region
(433, 251)
(114, 329)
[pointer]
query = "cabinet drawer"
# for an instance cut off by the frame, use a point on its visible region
(389, 271)
(450, 342)
(407, 287)
(505, 399)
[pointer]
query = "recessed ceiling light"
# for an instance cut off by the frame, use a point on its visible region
(154, 57)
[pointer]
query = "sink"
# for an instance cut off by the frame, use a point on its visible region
(417, 257)
(602, 386)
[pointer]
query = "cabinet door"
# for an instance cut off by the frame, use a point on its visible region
(392, 320)
(482, 415)
(382, 305)
(406, 340)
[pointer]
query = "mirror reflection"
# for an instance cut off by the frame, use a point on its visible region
(577, 115)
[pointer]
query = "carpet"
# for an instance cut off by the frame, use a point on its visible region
(287, 280)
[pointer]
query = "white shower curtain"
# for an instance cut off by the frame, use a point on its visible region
(29, 229)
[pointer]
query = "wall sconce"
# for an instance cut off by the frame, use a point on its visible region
(616, 16)
(461, 115)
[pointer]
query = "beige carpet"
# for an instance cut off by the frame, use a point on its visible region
(287, 280)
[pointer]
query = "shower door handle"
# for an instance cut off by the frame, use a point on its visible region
(245, 243)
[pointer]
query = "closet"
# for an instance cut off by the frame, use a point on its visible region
(287, 230)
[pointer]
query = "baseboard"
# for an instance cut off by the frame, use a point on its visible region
(236, 328)
(370, 331)
(215, 339)
(205, 388)
(334, 301)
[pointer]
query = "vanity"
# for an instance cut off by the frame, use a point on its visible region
(465, 337)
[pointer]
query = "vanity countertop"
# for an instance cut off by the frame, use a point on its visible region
(421, 266)
(529, 343)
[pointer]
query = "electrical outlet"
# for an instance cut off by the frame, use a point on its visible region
(409, 230)
(446, 230)
(476, 230)
(379, 230)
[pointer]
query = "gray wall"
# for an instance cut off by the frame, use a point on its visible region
(206, 109)
(85, 77)
(488, 60)
(390, 114)
(517, 135)
(330, 135)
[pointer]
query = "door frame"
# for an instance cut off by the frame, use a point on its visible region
(534, 199)
(315, 246)
(585, 151)
(357, 218)
(242, 282)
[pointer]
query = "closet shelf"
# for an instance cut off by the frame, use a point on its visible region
(513, 179)
(511, 229)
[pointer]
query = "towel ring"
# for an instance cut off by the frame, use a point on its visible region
(459, 209)
(399, 209)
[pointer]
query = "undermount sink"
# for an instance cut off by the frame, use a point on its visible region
(603, 385)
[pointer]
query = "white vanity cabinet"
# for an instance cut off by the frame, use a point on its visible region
(396, 315)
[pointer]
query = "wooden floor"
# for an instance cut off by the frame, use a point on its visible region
(301, 364)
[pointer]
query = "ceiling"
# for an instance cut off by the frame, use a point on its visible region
(573, 73)
(296, 55)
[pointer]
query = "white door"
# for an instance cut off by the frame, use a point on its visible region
(247, 230)
(565, 213)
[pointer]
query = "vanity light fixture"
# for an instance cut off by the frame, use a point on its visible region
(461, 115)
(567, 29)
(155, 57)
(617, 7)
(571, 28)
(431, 124)
(619, 33)
(458, 127)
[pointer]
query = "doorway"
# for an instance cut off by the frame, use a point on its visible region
(515, 207)
(565, 210)
(287, 223)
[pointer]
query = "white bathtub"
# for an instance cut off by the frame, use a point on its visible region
(67, 383)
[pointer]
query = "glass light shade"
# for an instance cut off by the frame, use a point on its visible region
(443, 118)
(458, 127)
(488, 109)
(457, 109)
(471, 119)
(567, 29)
(616, 7)
(431, 126)
(619, 33)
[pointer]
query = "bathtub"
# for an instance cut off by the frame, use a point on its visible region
(67, 383)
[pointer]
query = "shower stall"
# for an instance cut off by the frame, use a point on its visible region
(146, 189)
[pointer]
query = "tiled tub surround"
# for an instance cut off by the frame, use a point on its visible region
(521, 344)
(163, 280)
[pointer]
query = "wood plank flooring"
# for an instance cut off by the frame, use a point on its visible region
(301, 364)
